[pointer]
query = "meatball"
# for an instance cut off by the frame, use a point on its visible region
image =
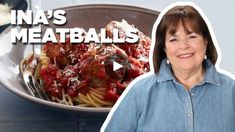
(93, 66)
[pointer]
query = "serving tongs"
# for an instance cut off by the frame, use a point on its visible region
(28, 66)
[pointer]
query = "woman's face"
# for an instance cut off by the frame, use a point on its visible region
(185, 49)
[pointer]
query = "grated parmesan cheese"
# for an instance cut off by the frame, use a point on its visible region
(62, 50)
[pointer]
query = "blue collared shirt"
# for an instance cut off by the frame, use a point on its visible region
(158, 103)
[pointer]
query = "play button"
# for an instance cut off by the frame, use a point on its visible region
(116, 66)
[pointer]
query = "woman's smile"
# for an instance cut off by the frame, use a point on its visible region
(185, 55)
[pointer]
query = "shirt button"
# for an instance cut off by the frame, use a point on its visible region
(188, 114)
(192, 94)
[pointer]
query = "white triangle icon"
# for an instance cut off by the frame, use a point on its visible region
(116, 66)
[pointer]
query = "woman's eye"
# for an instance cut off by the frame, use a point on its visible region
(192, 36)
(173, 40)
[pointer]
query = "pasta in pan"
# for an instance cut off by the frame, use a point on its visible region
(82, 75)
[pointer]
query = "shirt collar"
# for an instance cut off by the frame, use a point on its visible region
(211, 75)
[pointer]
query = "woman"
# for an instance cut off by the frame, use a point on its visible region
(186, 93)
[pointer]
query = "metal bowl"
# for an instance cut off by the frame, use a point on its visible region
(86, 16)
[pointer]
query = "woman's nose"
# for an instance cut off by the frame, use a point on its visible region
(184, 44)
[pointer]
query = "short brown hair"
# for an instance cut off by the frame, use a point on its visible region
(170, 21)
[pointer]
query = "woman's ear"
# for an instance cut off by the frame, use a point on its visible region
(206, 42)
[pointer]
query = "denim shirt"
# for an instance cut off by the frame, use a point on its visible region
(158, 103)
